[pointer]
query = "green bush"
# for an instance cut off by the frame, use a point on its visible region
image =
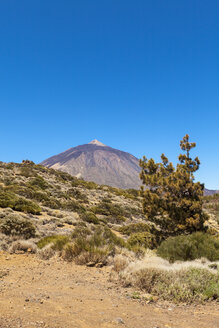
(134, 228)
(52, 202)
(81, 230)
(89, 217)
(39, 182)
(72, 205)
(58, 241)
(27, 171)
(144, 239)
(26, 206)
(15, 225)
(9, 199)
(105, 207)
(76, 193)
(190, 247)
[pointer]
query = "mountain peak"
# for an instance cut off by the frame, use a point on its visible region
(96, 142)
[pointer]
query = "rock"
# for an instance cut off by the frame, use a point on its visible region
(91, 264)
(147, 296)
(99, 265)
(120, 321)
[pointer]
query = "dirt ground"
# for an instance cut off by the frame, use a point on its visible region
(57, 294)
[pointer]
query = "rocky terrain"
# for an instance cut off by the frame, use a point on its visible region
(57, 294)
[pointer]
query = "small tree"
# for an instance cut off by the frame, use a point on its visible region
(171, 198)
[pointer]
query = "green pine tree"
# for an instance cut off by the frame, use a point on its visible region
(171, 198)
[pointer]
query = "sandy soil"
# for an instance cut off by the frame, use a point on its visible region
(57, 294)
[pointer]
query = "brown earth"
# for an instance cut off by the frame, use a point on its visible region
(57, 294)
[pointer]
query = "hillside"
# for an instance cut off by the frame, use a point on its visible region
(55, 200)
(210, 192)
(99, 163)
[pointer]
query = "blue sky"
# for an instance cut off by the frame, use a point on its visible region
(136, 75)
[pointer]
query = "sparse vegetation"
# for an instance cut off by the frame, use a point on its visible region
(91, 245)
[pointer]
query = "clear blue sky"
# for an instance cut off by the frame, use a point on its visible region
(135, 74)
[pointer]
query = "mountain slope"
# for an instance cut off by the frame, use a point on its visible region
(99, 163)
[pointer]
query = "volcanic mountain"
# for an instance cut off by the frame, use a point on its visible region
(99, 163)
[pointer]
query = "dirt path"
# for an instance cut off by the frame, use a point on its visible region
(57, 294)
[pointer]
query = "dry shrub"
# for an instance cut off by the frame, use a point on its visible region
(4, 242)
(94, 255)
(179, 282)
(46, 253)
(16, 225)
(70, 251)
(120, 263)
(83, 253)
(23, 245)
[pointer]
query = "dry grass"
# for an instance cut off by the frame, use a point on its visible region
(194, 281)
(23, 245)
(46, 253)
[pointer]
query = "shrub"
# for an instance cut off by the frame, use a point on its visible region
(52, 203)
(91, 245)
(39, 182)
(188, 285)
(9, 199)
(89, 217)
(73, 192)
(16, 225)
(72, 205)
(69, 252)
(190, 247)
(93, 256)
(81, 230)
(107, 208)
(57, 241)
(134, 228)
(26, 206)
(120, 262)
(144, 239)
(27, 171)
(23, 245)
(46, 252)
